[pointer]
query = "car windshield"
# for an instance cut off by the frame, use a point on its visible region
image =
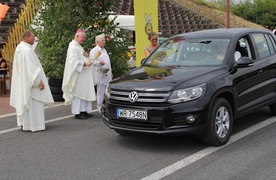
(189, 52)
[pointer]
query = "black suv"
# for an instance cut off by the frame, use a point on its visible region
(196, 83)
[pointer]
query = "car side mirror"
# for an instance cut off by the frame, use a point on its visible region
(244, 62)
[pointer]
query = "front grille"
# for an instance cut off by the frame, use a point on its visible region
(120, 98)
(136, 124)
(145, 97)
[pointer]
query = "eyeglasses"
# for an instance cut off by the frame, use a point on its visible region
(154, 39)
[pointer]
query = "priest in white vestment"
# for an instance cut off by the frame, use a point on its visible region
(77, 86)
(103, 61)
(29, 87)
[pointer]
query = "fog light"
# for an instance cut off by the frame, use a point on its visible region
(190, 119)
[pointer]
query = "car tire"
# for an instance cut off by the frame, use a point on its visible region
(123, 132)
(273, 109)
(220, 123)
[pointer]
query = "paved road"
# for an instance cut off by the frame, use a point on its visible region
(87, 149)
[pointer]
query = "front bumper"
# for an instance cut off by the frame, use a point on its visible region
(168, 119)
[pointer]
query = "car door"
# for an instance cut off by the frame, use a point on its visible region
(265, 48)
(247, 80)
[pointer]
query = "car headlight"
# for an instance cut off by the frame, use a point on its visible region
(188, 94)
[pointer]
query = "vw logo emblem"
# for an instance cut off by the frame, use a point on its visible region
(133, 96)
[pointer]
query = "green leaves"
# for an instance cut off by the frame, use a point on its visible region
(58, 22)
(261, 12)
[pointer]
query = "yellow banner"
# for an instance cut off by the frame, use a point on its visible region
(146, 21)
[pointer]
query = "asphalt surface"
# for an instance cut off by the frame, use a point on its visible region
(87, 149)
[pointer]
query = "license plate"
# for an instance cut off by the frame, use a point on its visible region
(131, 114)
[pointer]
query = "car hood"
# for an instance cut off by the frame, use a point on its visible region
(164, 79)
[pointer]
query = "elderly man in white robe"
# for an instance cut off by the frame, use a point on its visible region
(29, 89)
(77, 86)
(101, 79)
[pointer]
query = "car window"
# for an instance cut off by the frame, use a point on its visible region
(271, 43)
(242, 47)
(190, 52)
(261, 45)
(161, 40)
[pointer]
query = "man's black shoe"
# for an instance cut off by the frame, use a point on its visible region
(87, 114)
(80, 116)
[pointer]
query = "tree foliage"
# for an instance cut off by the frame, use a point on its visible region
(262, 12)
(258, 11)
(56, 26)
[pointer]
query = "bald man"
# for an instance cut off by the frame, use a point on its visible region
(78, 86)
(29, 89)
